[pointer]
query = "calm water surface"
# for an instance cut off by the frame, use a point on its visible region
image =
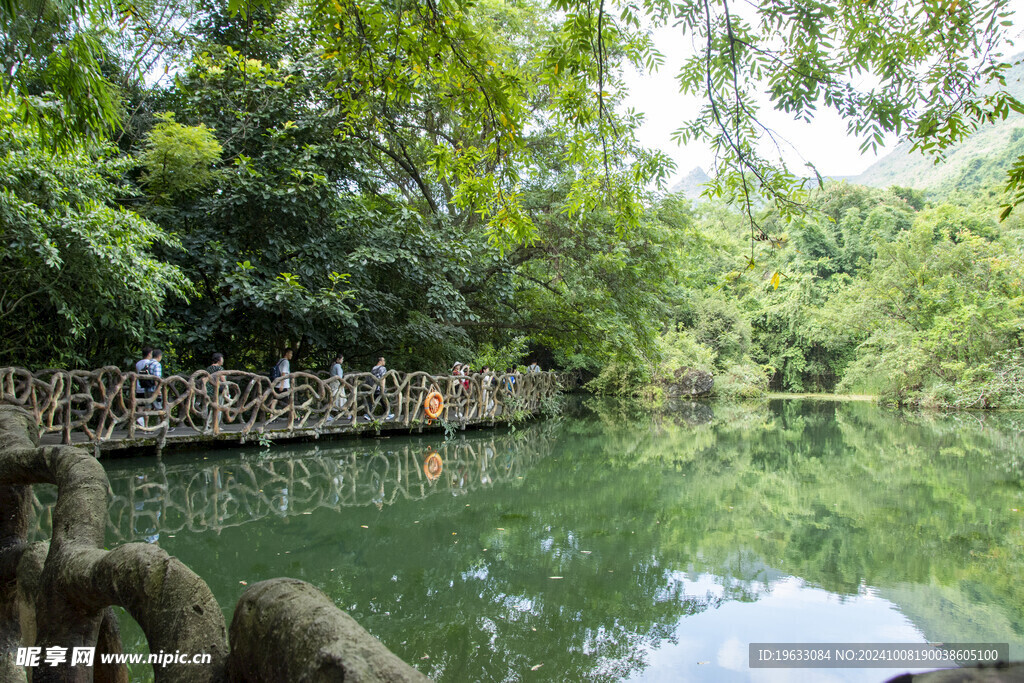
(617, 544)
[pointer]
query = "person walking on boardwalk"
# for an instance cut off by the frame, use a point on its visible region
(142, 368)
(337, 374)
(378, 371)
(144, 387)
(283, 369)
(280, 381)
(149, 365)
(157, 370)
(216, 365)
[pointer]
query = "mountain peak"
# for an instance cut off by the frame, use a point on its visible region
(692, 184)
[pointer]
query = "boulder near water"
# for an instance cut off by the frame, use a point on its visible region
(690, 382)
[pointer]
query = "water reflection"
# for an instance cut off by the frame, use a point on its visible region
(196, 493)
(621, 544)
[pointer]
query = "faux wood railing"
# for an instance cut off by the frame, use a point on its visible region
(102, 407)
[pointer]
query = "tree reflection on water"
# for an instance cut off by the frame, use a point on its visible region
(649, 519)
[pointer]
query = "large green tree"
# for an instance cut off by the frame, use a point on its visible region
(81, 278)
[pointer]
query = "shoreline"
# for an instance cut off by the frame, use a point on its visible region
(822, 397)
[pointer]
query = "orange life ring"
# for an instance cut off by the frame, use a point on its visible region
(433, 404)
(432, 466)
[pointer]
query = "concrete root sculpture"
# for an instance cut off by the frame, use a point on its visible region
(59, 594)
(313, 639)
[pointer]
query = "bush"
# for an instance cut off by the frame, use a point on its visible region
(645, 378)
(744, 379)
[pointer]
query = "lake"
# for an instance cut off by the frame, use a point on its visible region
(619, 543)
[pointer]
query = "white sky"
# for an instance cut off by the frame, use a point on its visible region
(823, 142)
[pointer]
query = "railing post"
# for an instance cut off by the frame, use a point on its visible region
(133, 414)
(67, 408)
(216, 404)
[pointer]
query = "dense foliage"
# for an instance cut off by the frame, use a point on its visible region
(450, 180)
(917, 299)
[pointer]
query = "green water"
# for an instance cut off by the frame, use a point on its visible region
(617, 544)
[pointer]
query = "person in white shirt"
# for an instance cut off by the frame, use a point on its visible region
(338, 389)
(284, 367)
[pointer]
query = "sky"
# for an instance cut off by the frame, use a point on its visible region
(824, 142)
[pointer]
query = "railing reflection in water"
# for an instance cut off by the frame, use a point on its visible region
(285, 481)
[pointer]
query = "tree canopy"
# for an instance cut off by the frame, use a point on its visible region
(441, 179)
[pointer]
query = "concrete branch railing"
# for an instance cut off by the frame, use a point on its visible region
(57, 595)
(102, 406)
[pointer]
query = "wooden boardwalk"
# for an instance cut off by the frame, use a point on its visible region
(100, 408)
(120, 439)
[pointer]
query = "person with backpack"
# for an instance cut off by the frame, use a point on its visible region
(146, 369)
(378, 371)
(282, 368)
(142, 368)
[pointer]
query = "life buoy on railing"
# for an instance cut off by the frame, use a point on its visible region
(432, 466)
(433, 404)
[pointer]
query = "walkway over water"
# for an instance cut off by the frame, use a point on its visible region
(100, 407)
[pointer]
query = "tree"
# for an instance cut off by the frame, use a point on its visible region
(82, 282)
(339, 217)
(930, 71)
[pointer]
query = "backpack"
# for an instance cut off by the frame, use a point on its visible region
(147, 385)
(275, 371)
